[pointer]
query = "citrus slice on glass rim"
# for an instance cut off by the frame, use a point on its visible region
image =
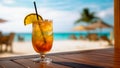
(30, 18)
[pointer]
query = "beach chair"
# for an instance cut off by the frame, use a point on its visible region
(7, 40)
(93, 37)
(106, 39)
(73, 37)
(82, 38)
(20, 38)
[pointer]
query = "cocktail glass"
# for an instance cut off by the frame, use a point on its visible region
(42, 39)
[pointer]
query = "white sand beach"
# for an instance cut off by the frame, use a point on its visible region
(25, 48)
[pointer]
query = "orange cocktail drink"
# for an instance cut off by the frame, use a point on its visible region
(42, 36)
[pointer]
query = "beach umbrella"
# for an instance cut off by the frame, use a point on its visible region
(100, 25)
(82, 28)
(2, 20)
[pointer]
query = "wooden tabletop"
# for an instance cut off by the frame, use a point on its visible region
(100, 58)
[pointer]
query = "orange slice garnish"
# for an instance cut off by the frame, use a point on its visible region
(30, 18)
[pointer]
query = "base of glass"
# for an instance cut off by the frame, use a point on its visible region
(42, 60)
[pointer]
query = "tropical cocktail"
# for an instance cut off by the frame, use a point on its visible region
(42, 35)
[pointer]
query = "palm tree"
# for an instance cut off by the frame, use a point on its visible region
(87, 17)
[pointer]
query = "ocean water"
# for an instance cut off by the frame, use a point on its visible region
(58, 36)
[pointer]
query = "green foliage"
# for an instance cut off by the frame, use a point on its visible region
(87, 17)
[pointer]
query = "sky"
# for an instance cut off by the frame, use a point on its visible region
(63, 13)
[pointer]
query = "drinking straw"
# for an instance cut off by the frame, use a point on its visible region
(39, 23)
(36, 10)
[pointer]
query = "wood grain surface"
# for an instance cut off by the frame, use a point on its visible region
(100, 58)
(117, 33)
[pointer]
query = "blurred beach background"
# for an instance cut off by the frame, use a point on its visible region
(64, 14)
